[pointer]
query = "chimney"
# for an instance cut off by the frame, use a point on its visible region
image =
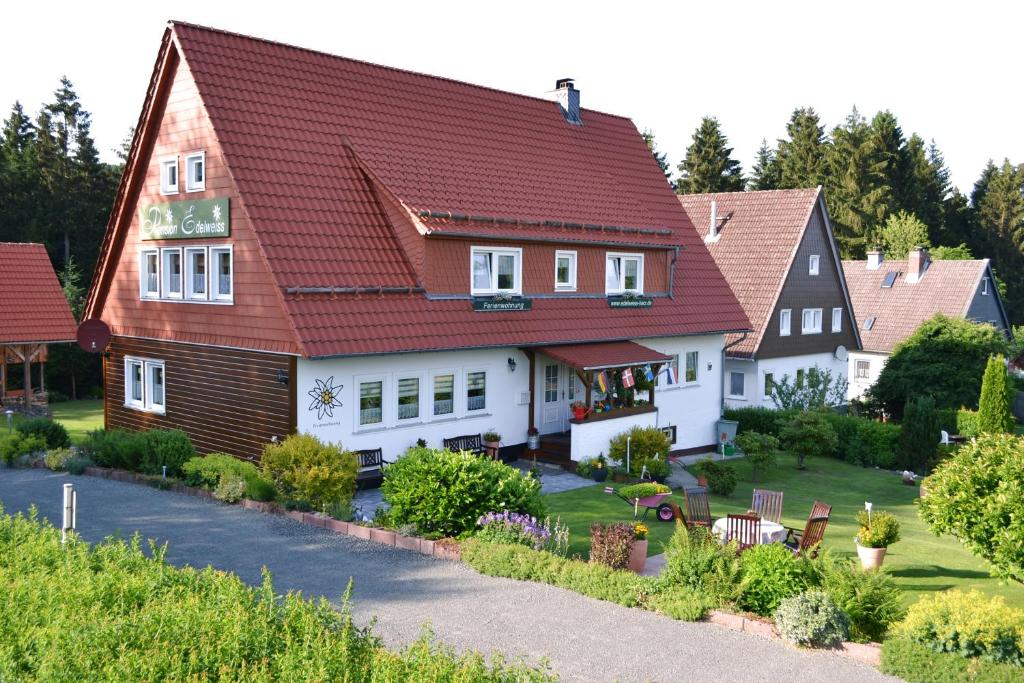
(568, 99)
(917, 264)
(712, 235)
(874, 259)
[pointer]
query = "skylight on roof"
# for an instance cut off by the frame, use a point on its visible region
(890, 278)
(869, 323)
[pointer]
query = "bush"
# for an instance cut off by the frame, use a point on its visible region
(995, 407)
(977, 496)
(762, 420)
(760, 450)
(644, 444)
(770, 574)
(721, 477)
(871, 599)
(610, 544)
(53, 433)
(13, 446)
(812, 619)
(56, 458)
(697, 560)
(916, 663)
(165, 447)
(513, 528)
(807, 434)
(307, 471)
(208, 471)
(115, 448)
(136, 618)
(968, 624)
(77, 464)
(231, 488)
(880, 441)
(643, 490)
(920, 436)
(444, 493)
(877, 529)
(967, 423)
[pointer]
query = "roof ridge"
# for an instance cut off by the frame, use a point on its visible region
(748, 192)
(174, 22)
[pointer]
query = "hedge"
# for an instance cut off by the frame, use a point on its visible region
(109, 612)
(916, 663)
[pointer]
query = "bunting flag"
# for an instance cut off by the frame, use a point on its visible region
(648, 373)
(670, 374)
(627, 378)
(602, 382)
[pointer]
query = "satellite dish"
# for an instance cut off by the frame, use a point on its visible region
(841, 354)
(93, 335)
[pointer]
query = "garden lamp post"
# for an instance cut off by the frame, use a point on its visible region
(10, 419)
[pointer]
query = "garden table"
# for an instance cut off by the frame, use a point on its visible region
(771, 532)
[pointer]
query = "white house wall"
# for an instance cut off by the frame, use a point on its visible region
(876, 361)
(755, 372)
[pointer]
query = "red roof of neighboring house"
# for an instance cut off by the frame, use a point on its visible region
(32, 304)
(604, 355)
(350, 156)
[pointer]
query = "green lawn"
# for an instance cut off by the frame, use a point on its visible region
(78, 417)
(920, 562)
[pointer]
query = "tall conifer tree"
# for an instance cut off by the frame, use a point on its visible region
(709, 166)
(766, 173)
(802, 154)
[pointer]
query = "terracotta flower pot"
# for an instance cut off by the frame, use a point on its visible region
(870, 558)
(638, 556)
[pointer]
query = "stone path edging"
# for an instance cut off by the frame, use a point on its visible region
(448, 549)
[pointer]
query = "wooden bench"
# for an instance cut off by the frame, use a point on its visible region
(370, 468)
(471, 443)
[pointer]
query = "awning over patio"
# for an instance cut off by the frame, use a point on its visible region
(604, 355)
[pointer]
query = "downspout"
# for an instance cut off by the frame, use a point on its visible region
(721, 375)
(672, 273)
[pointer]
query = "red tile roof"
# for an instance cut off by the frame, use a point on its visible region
(32, 304)
(759, 235)
(604, 354)
(336, 160)
(947, 287)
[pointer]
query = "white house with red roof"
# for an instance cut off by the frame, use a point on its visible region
(306, 242)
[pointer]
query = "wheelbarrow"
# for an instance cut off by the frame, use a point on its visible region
(663, 511)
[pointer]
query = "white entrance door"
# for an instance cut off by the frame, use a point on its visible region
(553, 405)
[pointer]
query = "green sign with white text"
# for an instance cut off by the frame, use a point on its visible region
(630, 302)
(198, 218)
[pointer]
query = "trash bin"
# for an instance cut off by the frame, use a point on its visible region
(727, 430)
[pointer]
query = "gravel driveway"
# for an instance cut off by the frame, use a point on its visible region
(584, 639)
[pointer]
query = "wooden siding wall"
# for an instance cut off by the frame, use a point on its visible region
(225, 400)
(803, 290)
(448, 266)
(256, 320)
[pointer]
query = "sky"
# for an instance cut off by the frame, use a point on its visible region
(948, 70)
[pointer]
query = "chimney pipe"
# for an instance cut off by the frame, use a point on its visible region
(713, 231)
(568, 98)
(875, 259)
(917, 264)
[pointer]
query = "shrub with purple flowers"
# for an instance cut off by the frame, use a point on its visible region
(514, 528)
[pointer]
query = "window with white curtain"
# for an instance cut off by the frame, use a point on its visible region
(444, 394)
(624, 273)
(371, 402)
(144, 385)
(171, 288)
(149, 274)
(476, 390)
(408, 398)
(195, 272)
(496, 271)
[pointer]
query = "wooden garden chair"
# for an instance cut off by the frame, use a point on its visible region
(806, 542)
(744, 529)
(768, 504)
(698, 511)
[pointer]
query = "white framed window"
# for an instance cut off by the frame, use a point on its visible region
(785, 322)
(407, 394)
(837, 320)
(664, 378)
(624, 273)
(444, 393)
(862, 369)
(496, 270)
(476, 391)
(800, 378)
(565, 270)
(149, 274)
(196, 276)
(984, 286)
(813, 264)
(195, 171)
(170, 263)
(769, 384)
(144, 385)
(811, 323)
(370, 401)
(737, 384)
(692, 371)
(222, 273)
(169, 175)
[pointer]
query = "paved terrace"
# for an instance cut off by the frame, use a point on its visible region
(584, 639)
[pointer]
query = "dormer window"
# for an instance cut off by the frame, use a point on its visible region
(814, 262)
(169, 175)
(984, 286)
(195, 172)
(624, 273)
(496, 270)
(565, 270)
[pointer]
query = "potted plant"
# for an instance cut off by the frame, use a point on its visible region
(579, 410)
(877, 532)
(491, 439)
(532, 438)
(638, 551)
(619, 473)
(600, 469)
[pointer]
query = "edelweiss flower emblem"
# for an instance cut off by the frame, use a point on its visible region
(216, 213)
(170, 216)
(325, 397)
